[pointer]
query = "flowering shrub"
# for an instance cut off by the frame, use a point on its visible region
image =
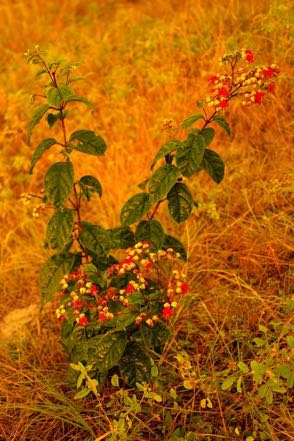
(140, 279)
(115, 311)
(124, 307)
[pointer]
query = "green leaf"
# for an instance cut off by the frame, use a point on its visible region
(188, 122)
(135, 365)
(284, 371)
(56, 96)
(53, 270)
(101, 376)
(180, 202)
(263, 329)
(208, 135)
(60, 228)
(122, 321)
(189, 384)
(68, 341)
(189, 155)
(154, 396)
(161, 333)
(103, 262)
(155, 337)
(269, 396)
(214, 166)
(75, 367)
(223, 123)
(259, 342)
(154, 371)
(91, 271)
(173, 394)
(41, 72)
(172, 242)
(78, 99)
(143, 184)
(256, 367)
(136, 299)
(150, 231)
(263, 390)
(106, 350)
(59, 181)
(135, 208)
(239, 384)
(115, 380)
(82, 394)
(37, 116)
(278, 388)
(75, 78)
(34, 59)
(162, 180)
(228, 382)
(88, 142)
(166, 149)
(94, 238)
(143, 336)
(42, 147)
(258, 378)
(120, 238)
(89, 184)
(52, 118)
(290, 341)
(80, 380)
(243, 367)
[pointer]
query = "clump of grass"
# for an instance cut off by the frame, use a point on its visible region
(148, 65)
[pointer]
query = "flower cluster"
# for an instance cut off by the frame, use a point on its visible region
(26, 200)
(250, 86)
(39, 208)
(168, 125)
(30, 52)
(144, 283)
(240, 54)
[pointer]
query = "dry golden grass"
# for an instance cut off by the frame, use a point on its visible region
(146, 62)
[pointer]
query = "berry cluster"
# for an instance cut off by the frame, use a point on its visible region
(144, 282)
(251, 86)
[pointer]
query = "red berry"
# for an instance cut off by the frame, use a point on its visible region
(83, 321)
(271, 88)
(167, 312)
(249, 57)
(224, 104)
(258, 97)
(213, 79)
(185, 288)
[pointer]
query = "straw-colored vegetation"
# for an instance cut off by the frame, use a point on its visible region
(145, 62)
